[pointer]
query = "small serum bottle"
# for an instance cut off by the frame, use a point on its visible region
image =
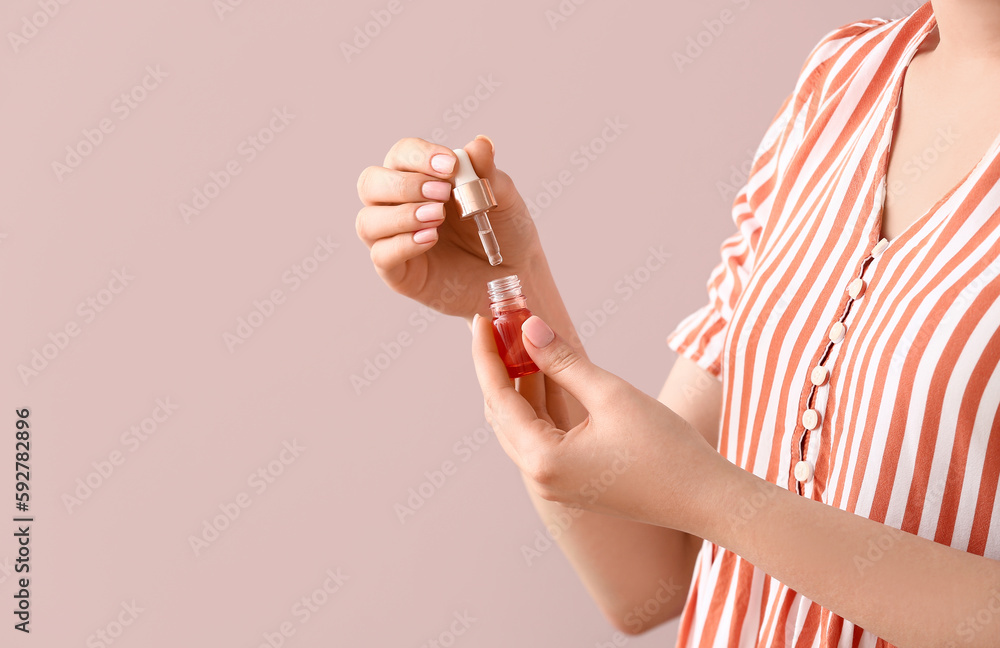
(510, 310)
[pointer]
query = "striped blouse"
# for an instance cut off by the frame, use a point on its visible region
(859, 372)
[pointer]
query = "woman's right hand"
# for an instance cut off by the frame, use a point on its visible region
(419, 246)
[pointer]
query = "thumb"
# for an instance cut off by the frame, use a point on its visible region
(561, 362)
(480, 152)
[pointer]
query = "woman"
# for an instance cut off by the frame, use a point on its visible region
(821, 466)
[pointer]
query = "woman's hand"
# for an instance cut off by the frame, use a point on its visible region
(631, 457)
(634, 458)
(419, 246)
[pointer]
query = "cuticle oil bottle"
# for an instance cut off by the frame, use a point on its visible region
(509, 308)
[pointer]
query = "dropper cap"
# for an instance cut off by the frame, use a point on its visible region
(474, 197)
(466, 172)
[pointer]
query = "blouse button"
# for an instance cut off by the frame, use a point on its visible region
(803, 471)
(856, 288)
(837, 332)
(819, 375)
(810, 419)
(879, 248)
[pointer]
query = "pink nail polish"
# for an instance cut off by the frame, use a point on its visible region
(428, 213)
(537, 332)
(425, 235)
(443, 163)
(510, 309)
(436, 190)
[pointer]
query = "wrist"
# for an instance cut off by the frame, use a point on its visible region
(544, 299)
(725, 499)
(739, 504)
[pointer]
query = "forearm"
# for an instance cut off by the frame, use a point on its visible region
(637, 573)
(908, 590)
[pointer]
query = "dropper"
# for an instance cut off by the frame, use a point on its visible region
(475, 198)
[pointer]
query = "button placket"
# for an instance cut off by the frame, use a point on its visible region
(820, 376)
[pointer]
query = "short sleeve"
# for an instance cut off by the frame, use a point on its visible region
(700, 336)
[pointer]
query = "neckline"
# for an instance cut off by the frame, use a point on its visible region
(895, 104)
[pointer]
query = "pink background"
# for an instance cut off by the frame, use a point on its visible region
(333, 506)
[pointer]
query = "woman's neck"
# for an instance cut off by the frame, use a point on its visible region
(968, 32)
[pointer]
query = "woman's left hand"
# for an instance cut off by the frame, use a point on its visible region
(632, 456)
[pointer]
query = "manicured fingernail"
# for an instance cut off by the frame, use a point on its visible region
(443, 163)
(431, 212)
(489, 141)
(425, 235)
(436, 190)
(537, 331)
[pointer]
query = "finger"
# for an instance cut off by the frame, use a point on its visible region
(547, 399)
(381, 186)
(379, 221)
(481, 152)
(415, 154)
(512, 414)
(532, 388)
(508, 449)
(391, 252)
(562, 363)
(555, 404)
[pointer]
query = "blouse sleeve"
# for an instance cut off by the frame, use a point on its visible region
(701, 335)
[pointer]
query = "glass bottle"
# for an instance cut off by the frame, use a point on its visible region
(510, 310)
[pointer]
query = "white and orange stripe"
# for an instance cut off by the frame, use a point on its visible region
(905, 412)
